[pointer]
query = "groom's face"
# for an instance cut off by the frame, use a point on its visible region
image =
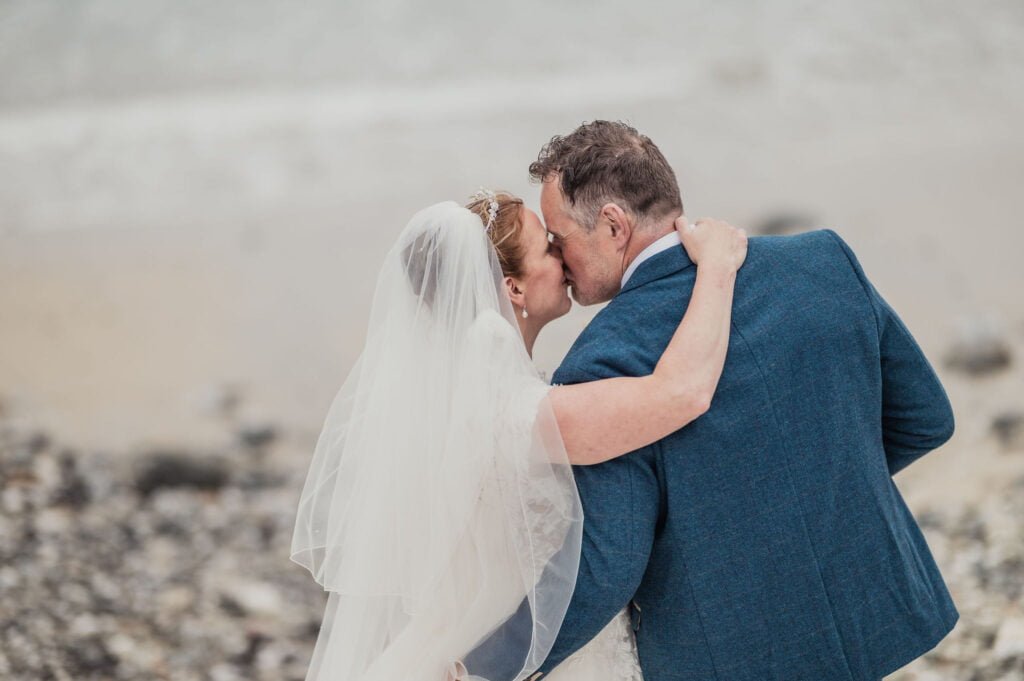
(592, 260)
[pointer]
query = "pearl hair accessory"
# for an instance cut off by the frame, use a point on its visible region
(492, 206)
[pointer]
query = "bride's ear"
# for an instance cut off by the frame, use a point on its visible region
(515, 294)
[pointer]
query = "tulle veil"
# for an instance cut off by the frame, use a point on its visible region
(439, 497)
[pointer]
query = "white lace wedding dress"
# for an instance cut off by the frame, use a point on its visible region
(609, 656)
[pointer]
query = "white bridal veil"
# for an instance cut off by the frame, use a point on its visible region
(439, 496)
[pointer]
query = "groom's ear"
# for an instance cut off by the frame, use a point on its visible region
(619, 226)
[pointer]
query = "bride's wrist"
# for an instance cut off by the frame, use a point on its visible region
(719, 269)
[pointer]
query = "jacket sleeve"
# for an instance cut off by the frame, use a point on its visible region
(916, 414)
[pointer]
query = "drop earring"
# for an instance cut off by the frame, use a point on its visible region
(525, 314)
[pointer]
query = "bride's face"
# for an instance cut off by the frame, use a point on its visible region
(544, 283)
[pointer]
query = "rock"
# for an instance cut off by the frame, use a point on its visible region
(84, 625)
(972, 526)
(1010, 639)
(145, 654)
(931, 520)
(21, 458)
(785, 223)
(46, 472)
(231, 606)
(251, 597)
(267, 531)
(979, 352)
(89, 656)
(260, 479)
(176, 469)
(9, 578)
(53, 521)
(225, 672)
(13, 500)
(73, 489)
(1007, 578)
(255, 435)
(256, 640)
(1009, 429)
(177, 599)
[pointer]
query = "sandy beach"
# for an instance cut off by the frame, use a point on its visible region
(191, 223)
(125, 334)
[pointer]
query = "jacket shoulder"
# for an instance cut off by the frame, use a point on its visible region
(582, 362)
(615, 342)
(820, 256)
(824, 242)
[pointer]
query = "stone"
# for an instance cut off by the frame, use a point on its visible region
(257, 435)
(89, 656)
(1008, 428)
(256, 641)
(979, 352)
(73, 489)
(13, 500)
(53, 521)
(1010, 639)
(252, 597)
(177, 599)
(177, 469)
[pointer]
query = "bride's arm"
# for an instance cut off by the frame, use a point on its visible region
(611, 417)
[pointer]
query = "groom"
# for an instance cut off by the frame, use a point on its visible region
(766, 540)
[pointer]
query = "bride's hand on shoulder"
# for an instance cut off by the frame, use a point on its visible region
(711, 242)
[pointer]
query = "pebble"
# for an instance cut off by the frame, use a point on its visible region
(1010, 639)
(257, 435)
(162, 469)
(979, 352)
(1008, 428)
(252, 597)
(114, 567)
(153, 579)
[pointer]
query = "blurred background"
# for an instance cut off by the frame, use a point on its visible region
(195, 198)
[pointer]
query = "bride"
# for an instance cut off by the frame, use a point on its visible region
(440, 502)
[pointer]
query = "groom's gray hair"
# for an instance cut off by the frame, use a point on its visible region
(610, 162)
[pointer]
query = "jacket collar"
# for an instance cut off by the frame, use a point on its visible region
(658, 267)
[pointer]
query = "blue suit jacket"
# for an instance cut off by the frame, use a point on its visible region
(766, 540)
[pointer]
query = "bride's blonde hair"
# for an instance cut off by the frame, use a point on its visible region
(505, 231)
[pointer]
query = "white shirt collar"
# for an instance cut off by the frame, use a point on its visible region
(663, 244)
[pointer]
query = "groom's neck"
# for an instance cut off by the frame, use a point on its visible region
(644, 237)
